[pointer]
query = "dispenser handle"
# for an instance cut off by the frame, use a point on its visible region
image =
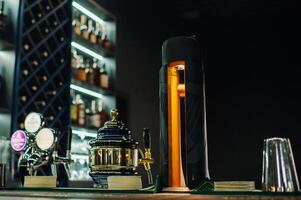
(69, 137)
(146, 138)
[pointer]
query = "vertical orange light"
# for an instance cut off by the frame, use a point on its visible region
(175, 91)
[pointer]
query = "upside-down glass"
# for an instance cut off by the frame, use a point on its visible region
(278, 170)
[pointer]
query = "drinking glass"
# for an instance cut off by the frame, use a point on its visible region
(278, 170)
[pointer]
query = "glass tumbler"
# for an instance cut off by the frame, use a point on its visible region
(278, 169)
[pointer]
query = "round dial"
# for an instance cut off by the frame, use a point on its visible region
(18, 140)
(33, 122)
(45, 138)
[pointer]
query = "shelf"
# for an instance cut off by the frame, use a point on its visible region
(89, 48)
(4, 45)
(4, 110)
(79, 156)
(84, 132)
(93, 10)
(90, 90)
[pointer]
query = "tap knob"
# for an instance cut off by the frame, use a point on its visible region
(69, 138)
(146, 138)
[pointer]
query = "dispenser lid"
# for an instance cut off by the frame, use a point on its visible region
(113, 129)
(114, 133)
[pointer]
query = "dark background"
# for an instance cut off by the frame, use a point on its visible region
(252, 60)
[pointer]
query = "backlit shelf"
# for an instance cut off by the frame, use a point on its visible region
(84, 132)
(89, 48)
(90, 90)
(4, 45)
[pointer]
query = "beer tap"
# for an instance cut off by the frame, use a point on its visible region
(66, 161)
(147, 159)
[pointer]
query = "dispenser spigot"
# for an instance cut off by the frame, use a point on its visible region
(67, 160)
(147, 159)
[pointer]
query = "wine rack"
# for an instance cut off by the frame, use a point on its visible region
(43, 77)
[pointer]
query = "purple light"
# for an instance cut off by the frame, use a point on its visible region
(18, 140)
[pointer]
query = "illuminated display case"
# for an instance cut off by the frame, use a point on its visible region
(92, 90)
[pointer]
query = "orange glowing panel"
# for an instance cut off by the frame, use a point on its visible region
(174, 92)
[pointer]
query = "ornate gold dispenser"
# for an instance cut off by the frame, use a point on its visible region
(115, 152)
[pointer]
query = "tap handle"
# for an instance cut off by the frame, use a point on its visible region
(69, 137)
(146, 138)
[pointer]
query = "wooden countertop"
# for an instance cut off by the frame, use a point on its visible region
(85, 195)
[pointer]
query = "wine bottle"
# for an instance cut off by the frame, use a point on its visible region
(43, 54)
(51, 93)
(24, 72)
(3, 19)
(46, 6)
(23, 99)
(34, 88)
(49, 118)
(34, 63)
(42, 79)
(26, 46)
(40, 103)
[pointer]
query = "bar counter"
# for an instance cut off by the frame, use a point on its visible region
(26, 194)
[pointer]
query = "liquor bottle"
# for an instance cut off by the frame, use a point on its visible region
(103, 116)
(84, 27)
(88, 115)
(104, 77)
(95, 120)
(80, 111)
(90, 76)
(3, 19)
(107, 45)
(98, 33)
(80, 72)
(74, 59)
(76, 23)
(96, 70)
(90, 73)
(95, 116)
(93, 37)
(73, 109)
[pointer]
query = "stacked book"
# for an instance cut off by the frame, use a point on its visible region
(234, 186)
